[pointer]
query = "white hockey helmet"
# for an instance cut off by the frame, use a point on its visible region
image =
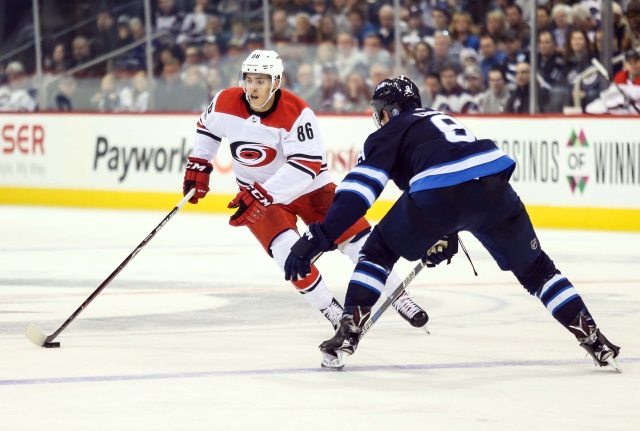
(264, 62)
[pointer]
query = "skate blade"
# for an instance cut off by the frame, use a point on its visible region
(334, 362)
(613, 362)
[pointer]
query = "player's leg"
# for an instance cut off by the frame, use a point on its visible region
(404, 304)
(514, 245)
(276, 231)
(313, 207)
(403, 232)
(313, 287)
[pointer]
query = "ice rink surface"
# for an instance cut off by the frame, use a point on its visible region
(201, 332)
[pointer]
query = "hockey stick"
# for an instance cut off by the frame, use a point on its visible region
(37, 337)
(337, 360)
(401, 287)
(604, 73)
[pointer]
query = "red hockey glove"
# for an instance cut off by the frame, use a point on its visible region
(197, 175)
(252, 203)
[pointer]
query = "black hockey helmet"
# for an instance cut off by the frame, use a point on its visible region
(394, 96)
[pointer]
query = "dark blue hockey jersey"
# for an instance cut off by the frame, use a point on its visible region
(419, 149)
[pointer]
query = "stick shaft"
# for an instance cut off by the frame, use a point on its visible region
(120, 267)
(401, 287)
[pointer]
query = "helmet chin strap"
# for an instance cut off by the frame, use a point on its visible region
(271, 93)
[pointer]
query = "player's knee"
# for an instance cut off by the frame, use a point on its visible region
(375, 250)
(352, 247)
(281, 246)
(535, 275)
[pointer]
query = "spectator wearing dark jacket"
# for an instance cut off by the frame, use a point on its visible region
(578, 56)
(518, 102)
(552, 72)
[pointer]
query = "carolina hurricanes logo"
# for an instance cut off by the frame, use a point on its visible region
(252, 154)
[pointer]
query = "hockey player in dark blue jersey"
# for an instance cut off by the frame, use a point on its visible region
(451, 182)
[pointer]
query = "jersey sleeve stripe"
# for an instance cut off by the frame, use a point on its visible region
(379, 175)
(304, 156)
(368, 194)
(369, 182)
(203, 131)
(314, 166)
(242, 184)
(302, 168)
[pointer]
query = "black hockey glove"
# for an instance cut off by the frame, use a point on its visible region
(444, 249)
(304, 251)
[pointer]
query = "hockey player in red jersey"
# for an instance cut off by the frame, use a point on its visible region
(280, 166)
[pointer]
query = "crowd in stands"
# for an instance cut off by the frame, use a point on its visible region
(466, 56)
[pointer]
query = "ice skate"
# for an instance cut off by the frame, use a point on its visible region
(333, 313)
(601, 350)
(595, 343)
(411, 312)
(345, 341)
(333, 360)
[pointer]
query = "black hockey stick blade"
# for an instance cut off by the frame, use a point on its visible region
(37, 337)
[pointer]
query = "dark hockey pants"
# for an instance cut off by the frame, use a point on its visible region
(489, 208)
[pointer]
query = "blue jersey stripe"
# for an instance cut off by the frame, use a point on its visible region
(380, 176)
(458, 177)
(362, 190)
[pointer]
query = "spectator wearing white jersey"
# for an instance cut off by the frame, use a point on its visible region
(453, 98)
(16, 95)
(168, 19)
(193, 26)
(474, 84)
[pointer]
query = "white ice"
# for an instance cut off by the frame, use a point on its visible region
(201, 332)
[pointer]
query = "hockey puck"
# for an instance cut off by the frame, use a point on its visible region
(51, 345)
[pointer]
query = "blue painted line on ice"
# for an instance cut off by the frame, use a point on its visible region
(352, 369)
